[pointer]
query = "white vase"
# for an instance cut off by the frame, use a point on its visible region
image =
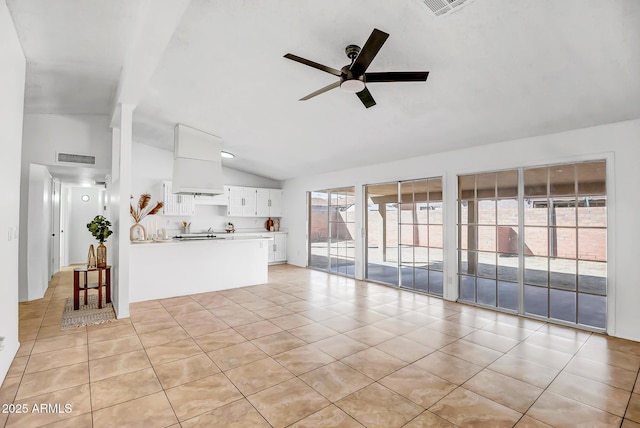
(137, 233)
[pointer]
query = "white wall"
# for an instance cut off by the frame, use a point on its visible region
(34, 273)
(48, 134)
(79, 214)
(152, 165)
(619, 143)
(12, 75)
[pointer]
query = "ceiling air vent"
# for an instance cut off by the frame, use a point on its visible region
(440, 7)
(73, 158)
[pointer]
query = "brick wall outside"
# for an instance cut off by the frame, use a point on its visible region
(591, 242)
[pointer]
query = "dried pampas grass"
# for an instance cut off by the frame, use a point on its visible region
(143, 209)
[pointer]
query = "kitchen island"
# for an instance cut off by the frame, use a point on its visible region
(160, 270)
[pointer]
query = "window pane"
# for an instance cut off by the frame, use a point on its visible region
(467, 288)
(563, 212)
(435, 259)
(508, 267)
(487, 291)
(592, 310)
(536, 270)
(592, 277)
(407, 276)
(563, 242)
(562, 274)
(406, 234)
(536, 212)
(487, 265)
(421, 255)
(592, 211)
(562, 180)
(592, 244)
(508, 295)
(507, 240)
(536, 241)
(466, 187)
(508, 184)
(536, 300)
(421, 279)
(562, 305)
(592, 178)
(422, 213)
(535, 182)
(487, 238)
(486, 185)
(487, 212)
(435, 236)
(467, 261)
(434, 186)
(435, 283)
(406, 255)
(420, 191)
(463, 212)
(464, 237)
(406, 192)
(508, 212)
(435, 213)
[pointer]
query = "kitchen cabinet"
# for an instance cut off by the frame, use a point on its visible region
(179, 205)
(269, 202)
(278, 248)
(242, 201)
(253, 202)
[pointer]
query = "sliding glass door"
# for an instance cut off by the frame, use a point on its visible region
(382, 233)
(404, 234)
(534, 241)
(332, 230)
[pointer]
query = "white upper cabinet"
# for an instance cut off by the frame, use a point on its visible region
(269, 203)
(176, 204)
(242, 201)
(275, 202)
(254, 202)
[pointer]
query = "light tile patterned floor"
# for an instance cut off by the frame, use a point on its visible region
(310, 349)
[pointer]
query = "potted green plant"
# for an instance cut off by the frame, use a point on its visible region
(99, 228)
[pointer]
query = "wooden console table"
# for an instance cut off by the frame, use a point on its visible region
(85, 285)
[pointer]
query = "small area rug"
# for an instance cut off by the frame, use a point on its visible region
(87, 314)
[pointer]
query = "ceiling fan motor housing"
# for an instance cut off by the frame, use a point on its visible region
(349, 82)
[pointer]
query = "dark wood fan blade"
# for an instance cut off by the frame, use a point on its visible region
(397, 76)
(313, 64)
(366, 98)
(320, 91)
(368, 52)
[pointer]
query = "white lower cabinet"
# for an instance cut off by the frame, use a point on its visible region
(278, 248)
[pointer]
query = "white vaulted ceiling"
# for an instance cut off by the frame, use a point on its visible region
(499, 70)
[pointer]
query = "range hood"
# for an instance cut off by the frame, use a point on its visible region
(197, 166)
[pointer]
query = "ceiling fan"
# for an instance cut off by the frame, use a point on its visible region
(353, 77)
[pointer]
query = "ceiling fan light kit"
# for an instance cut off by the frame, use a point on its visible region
(353, 77)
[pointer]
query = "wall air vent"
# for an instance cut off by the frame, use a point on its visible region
(74, 158)
(440, 7)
